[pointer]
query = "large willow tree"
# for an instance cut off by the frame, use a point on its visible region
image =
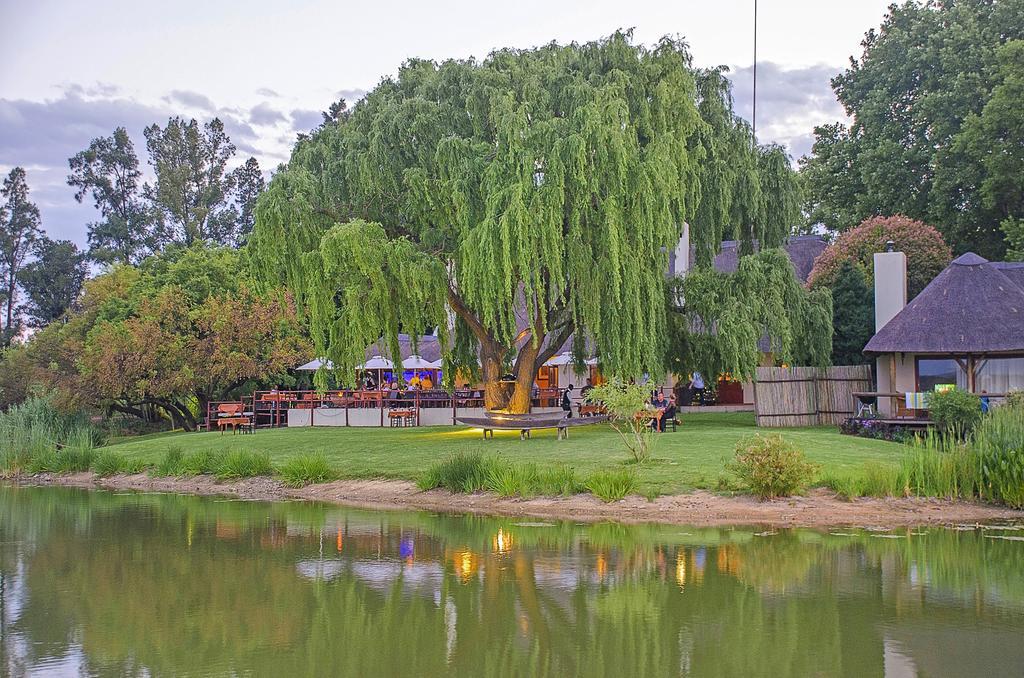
(513, 203)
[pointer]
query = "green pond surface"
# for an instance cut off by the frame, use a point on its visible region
(108, 584)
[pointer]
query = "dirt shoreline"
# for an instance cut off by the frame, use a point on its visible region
(820, 508)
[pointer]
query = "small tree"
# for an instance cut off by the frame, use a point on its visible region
(853, 312)
(628, 406)
(956, 412)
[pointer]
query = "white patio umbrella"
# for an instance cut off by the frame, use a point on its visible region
(559, 360)
(377, 362)
(416, 362)
(314, 365)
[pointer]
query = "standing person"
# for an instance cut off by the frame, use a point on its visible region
(586, 389)
(567, 401)
(697, 384)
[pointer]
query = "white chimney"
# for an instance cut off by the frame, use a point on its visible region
(890, 285)
(679, 261)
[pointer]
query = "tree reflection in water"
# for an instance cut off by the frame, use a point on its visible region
(113, 584)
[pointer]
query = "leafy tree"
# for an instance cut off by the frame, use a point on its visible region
(986, 160)
(248, 182)
(927, 253)
(193, 185)
(535, 195)
(19, 230)
(108, 170)
(853, 315)
(928, 69)
(53, 280)
(186, 331)
(718, 330)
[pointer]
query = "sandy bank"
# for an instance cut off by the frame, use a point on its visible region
(820, 508)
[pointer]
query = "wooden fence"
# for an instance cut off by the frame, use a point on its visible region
(808, 396)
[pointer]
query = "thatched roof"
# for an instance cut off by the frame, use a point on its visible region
(427, 347)
(973, 306)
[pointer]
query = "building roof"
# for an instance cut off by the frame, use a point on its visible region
(802, 251)
(973, 306)
(427, 347)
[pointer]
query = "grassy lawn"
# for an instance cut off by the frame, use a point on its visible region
(693, 457)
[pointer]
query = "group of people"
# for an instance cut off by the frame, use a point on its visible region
(417, 383)
(663, 408)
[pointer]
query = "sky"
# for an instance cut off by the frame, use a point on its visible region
(71, 70)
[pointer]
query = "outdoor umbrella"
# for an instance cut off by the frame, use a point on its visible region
(415, 362)
(378, 364)
(314, 365)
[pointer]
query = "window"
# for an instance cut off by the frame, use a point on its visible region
(1000, 375)
(932, 372)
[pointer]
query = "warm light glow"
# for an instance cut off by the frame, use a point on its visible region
(502, 541)
(602, 566)
(466, 564)
(338, 540)
(681, 569)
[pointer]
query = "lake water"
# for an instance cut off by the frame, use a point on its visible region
(100, 583)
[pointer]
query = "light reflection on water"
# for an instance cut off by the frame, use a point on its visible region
(120, 584)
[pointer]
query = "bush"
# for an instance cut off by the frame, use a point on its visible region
(771, 467)
(245, 464)
(307, 469)
(999, 442)
(941, 466)
(612, 485)
(955, 412)
(465, 472)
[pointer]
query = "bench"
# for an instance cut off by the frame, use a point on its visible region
(525, 423)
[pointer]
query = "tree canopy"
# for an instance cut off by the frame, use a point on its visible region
(934, 93)
(534, 195)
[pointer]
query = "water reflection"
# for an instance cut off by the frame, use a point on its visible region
(110, 584)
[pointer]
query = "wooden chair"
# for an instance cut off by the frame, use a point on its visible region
(233, 415)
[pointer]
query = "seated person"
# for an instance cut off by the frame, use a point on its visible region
(426, 383)
(415, 382)
(661, 404)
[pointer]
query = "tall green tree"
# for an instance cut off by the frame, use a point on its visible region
(534, 196)
(108, 171)
(199, 197)
(927, 70)
(19, 230)
(853, 315)
(53, 280)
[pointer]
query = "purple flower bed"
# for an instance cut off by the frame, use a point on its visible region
(879, 430)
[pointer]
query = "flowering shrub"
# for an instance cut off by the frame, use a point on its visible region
(879, 430)
(927, 252)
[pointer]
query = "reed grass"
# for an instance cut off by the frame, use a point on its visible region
(612, 485)
(245, 464)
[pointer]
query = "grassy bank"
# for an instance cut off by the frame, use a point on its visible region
(693, 457)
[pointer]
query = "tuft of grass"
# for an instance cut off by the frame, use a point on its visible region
(202, 462)
(107, 463)
(465, 472)
(941, 466)
(171, 463)
(559, 480)
(612, 485)
(307, 469)
(245, 464)
(513, 479)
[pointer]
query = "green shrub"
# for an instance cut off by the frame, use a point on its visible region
(245, 464)
(464, 472)
(770, 467)
(999, 442)
(955, 412)
(307, 469)
(559, 480)
(627, 405)
(108, 463)
(171, 463)
(612, 485)
(202, 462)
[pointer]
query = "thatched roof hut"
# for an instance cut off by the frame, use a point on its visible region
(973, 307)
